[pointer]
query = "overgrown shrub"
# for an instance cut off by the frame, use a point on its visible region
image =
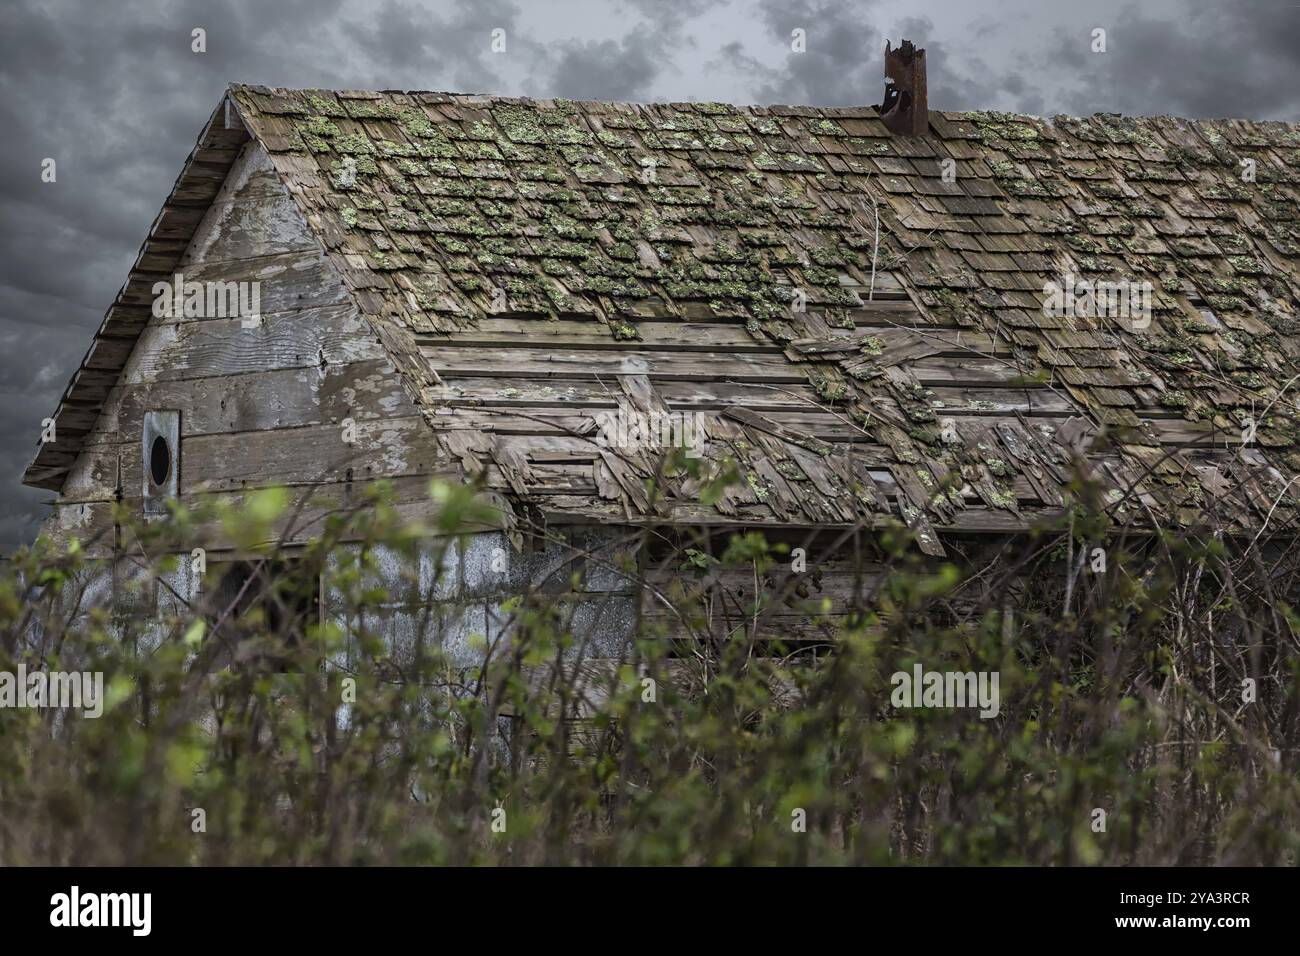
(1156, 686)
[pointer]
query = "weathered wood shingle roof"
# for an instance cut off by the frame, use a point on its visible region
(858, 315)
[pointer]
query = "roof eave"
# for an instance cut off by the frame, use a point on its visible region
(200, 179)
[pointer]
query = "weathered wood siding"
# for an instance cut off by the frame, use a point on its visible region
(265, 405)
(264, 402)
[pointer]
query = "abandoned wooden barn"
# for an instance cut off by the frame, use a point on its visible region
(876, 319)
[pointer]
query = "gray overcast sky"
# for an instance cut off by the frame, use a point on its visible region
(112, 91)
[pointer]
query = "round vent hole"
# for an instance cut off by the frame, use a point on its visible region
(160, 461)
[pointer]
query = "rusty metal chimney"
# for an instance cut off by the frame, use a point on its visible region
(906, 110)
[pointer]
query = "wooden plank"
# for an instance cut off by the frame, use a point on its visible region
(512, 421)
(329, 335)
(591, 363)
(576, 509)
(1020, 487)
(409, 496)
(253, 216)
(126, 321)
(889, 310)
(177, 222)
(197, 187)
(756, 396)
(591, 334)
(567, 478)
(883, 341)
(507, 392)
(961, 401)
(291, 280)
(940, 370)
(108, 353)
(542, 420)
(389, 447)
(260, 401)
(1181, 432)
(242, 230)
(76, 418)
(556, 448)
(309, 508)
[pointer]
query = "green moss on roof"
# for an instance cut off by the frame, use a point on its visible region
(326, 106)
(370, 109)
(707, 206)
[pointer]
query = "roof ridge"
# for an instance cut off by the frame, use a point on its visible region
(854, 109)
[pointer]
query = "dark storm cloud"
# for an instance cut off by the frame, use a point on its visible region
(962, 79)
(843, 63)
(610, 70)
(409, 44)
(115, 95)
(672, 10)
(835, 68)
(1239, 60)
(663, 42)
